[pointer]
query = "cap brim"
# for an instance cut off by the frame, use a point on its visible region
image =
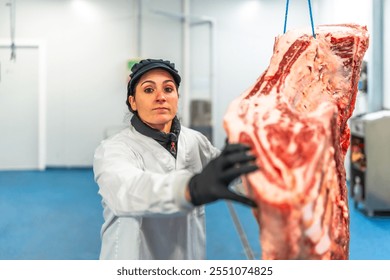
(156, 65)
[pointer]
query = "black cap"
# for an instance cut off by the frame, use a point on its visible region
(146, 65)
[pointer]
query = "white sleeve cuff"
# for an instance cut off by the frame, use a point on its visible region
(180, 185)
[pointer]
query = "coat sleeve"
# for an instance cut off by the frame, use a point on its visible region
(128, 190)
(208, 151)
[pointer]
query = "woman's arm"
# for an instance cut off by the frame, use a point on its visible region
(129, 190)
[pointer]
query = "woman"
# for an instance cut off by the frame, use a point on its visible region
(155, 175)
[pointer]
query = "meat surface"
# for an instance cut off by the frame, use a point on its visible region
(295, 118)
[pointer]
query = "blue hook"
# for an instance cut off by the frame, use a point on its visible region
(311, 17)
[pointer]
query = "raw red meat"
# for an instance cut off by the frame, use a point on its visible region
(295, 118)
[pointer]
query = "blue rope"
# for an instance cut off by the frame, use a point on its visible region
(311, 19)
(285, 16)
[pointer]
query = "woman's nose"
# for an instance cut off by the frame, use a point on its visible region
(160, 95)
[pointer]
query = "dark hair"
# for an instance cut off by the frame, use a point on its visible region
(144, 66)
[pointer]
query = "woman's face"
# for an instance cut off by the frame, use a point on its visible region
(156, 99)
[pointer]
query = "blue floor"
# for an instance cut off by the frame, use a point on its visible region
(56, 215)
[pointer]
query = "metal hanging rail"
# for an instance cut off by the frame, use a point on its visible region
(12, 11)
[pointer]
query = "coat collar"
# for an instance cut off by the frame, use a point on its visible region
(168, 140)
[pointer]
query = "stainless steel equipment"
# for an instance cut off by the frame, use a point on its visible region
(200, 117)
(370, 162)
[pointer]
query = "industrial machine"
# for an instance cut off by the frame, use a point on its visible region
(200, 117)
(370, 162)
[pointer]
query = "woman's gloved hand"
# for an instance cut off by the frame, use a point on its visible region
(212, 183)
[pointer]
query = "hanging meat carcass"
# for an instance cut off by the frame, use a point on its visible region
(295, 118)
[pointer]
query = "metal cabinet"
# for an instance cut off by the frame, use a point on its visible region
(370, 162)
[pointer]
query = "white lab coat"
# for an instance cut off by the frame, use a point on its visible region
(142, 187)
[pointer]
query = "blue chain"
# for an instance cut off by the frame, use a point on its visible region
(311, 17)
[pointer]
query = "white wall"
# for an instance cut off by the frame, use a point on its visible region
(89, 43)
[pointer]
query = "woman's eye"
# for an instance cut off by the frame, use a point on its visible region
(168, 89)
(148, 90)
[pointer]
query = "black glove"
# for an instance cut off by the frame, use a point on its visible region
(212, 183)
